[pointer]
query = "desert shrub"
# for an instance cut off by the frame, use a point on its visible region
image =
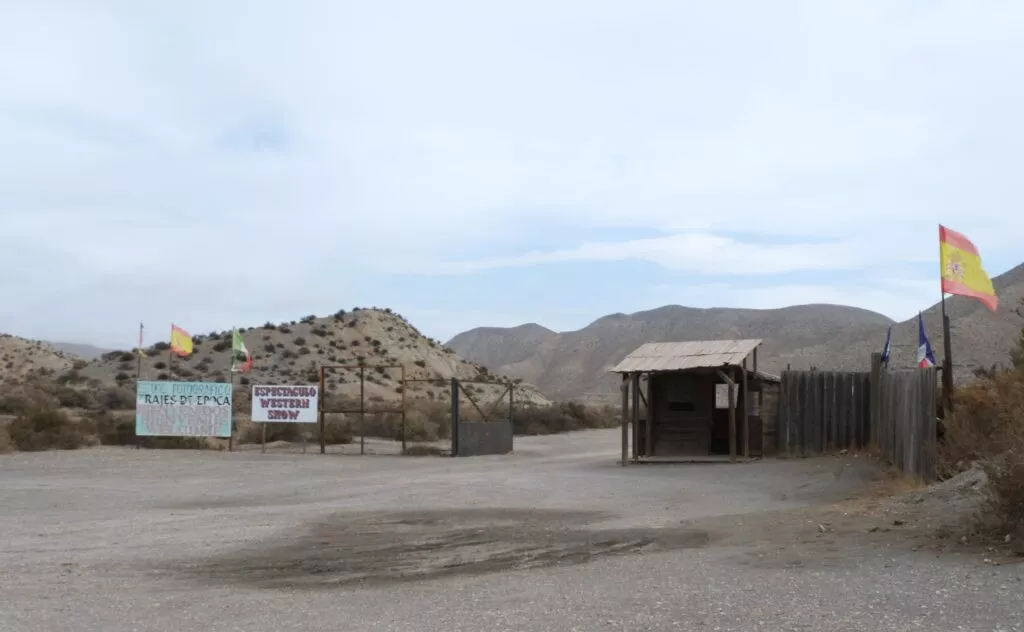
(159, 366)
(222, 345)
(531, 419)
(116, 398)
(6, 444)
(986, 427)
(159, 346)
(299, 341)
(269, 347)
(70, 377)
(113, 430)
(320, 331)
(253, 433)
(304, 351)
(78, 365)
(72, 398)
(284, 329)
(307, 319)
(421, 363)
(46, 429)
(336, 432)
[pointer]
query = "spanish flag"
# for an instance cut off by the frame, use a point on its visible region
(181, 341)
(961, 269)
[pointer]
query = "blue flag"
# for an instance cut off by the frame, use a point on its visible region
(925, 357)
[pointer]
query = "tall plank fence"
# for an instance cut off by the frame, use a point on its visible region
(823, 411)
(893, 412)
(906, 433)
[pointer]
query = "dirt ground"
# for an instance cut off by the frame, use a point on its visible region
(553, 537)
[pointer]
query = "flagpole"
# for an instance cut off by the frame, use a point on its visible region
(138, 369)
(170, 356)
(231, 380)
(947, 362)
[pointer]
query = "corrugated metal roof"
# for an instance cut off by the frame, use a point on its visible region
(679, 356)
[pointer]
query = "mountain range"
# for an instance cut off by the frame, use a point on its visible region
(574, 364)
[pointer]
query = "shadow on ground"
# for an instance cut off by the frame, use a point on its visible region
(385, 548)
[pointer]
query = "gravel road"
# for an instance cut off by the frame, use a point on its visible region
(553, 537)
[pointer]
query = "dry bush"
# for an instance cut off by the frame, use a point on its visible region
(987, 427)
(988, 419)
(112, 429)
(335, 433)
(253, 432)
(6, 444)
(47, 429)
(561, 417)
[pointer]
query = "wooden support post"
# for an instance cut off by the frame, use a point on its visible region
(321, 403)
(625, 418)
(636, 411)
(728, 379)
(362, 410)
(649, 421)
(875, 395)
(732, 419)
(404, 428)
(455, 416)
(745, 396)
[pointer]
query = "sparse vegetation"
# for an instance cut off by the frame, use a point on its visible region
(987, 428)
(46, 429)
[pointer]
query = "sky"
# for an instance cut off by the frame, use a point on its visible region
(467, 164)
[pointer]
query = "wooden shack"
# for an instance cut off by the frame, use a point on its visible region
(695, 399)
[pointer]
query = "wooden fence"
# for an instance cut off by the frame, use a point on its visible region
(823, 411)
(904, 425)
(893, 412)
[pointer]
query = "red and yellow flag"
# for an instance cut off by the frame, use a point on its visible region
(181, 341)
(961, 269)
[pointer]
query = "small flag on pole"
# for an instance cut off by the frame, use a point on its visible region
(241, 359)
(141, 350)
(925, 357)
(961, 269)
(887, 349)
(181, 341)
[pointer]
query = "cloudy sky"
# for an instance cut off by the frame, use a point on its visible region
(492, 163)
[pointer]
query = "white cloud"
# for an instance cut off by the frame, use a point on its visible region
(406, 131)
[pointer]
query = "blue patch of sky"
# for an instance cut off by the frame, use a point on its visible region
(78, 124)
(258, 133)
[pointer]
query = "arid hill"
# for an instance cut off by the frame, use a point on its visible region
(573, 365)
(19, 357)
(290, 353)
(89, 352)
(981, 338)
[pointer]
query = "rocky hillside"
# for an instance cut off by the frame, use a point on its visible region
(291, 353)
(574, 364)
(19, 357)
(981, 338)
